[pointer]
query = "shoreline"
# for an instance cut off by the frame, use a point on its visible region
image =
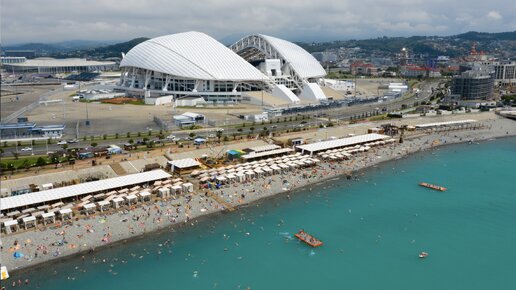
(357, 164)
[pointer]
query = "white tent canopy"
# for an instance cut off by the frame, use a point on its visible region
(184, 163)
(339, 143)
(253, 155)
(80, 189)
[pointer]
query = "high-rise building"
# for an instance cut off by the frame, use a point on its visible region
(404, 57)
(505, 74)
(474, 84)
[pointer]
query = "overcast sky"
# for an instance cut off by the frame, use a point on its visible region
(296, 20)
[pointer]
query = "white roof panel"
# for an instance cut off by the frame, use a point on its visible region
(428, 125)
(184, 163)
(192, 55)
(265, 148)
(80, 189)
(301, 61)
(253, 155)
(338, 143)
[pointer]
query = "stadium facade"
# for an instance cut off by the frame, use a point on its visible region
(195, 64)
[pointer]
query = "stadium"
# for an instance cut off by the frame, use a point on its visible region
(194, 64)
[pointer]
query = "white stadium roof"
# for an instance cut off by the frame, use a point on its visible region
(191, 55)
(80, 189)
(305, 65)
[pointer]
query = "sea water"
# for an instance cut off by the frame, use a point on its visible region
(373, 229)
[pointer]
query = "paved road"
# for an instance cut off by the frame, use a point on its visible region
(342, 113)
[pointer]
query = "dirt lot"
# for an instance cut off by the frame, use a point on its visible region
(15, 98)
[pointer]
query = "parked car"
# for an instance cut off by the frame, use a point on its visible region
(73, 141)
(26, 149)
(63, 142)
(170, 137)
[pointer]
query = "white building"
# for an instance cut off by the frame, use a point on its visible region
(52, 65)
(194, 64)
(188, 64)
(295, 73)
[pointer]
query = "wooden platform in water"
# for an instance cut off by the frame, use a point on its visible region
(308, 239)
(434, 187)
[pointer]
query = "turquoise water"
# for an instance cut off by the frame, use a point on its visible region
(373, 230)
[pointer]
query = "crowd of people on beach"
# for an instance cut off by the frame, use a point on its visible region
(84, 235)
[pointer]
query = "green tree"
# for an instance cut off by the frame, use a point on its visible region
(226, 138)
(145, 139)
(84, 138)
(94, 144)
(117, 136)
(16, 155)
(1, 151)
(104, 137)
(131, 141)
(128, 134)
(41, 161)
(240, 130)
(192, 134)
(234, 135)
(25, 164)
(64, 146)
(150, 133)
(219, 134)
(10, 167)
(139, 134)
(251, 129)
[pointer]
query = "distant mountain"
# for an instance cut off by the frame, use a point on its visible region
(483, 36)
(80, 49)
(52, 48)
(38, 47)
(80, 44)
(432, 46)
(115, 50)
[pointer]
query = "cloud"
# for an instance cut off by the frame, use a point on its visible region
(298, 20)
(495, 15)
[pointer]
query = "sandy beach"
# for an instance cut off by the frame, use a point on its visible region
(83, 236)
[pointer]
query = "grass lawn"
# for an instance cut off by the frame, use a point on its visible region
(18, 163)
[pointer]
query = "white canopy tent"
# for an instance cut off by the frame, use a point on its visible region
(183, 164)
(29, 221)
(80, 189)
(89, 208)
(49, 217)
(65, 213)
(103, 205)
(9, 225)
(144, 195)
(339, 143)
